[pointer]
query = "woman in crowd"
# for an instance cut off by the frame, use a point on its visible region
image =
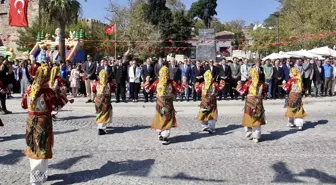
(295, 111)
(254, 112)
(208, 108)
(24, 77)
(75, 80)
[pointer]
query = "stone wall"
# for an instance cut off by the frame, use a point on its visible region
(6, 30)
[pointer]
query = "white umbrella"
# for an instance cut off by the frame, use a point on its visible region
(325, 51)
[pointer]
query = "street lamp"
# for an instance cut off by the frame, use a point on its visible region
(277, 15)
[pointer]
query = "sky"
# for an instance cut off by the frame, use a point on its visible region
(251, 11)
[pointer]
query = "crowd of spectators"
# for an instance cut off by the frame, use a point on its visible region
(318, 76)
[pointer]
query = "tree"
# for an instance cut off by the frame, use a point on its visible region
(198, 9)
(236, 27)
(64, 12)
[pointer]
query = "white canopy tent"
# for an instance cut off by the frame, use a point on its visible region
(272, 56)
(324, 51)
(305, 53)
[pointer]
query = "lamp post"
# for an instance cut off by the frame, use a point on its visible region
(277, 15)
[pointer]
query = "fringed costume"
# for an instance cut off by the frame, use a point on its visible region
(166, 90)
(254, 112)
(57, 84)
(208, 107)
(102, 90)
(295, 111)
(40, 100)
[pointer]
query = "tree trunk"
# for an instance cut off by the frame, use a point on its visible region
(62, 41)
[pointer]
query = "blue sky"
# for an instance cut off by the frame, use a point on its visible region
(252, 11)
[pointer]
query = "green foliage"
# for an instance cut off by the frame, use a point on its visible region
(198, 7)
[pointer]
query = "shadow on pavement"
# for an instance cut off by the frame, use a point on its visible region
(75, 117)
(68, 163)
(198, 135)
(310, 125)
(127, 168)
(12, 158)
(183, 176)
(22, 136)
(120, 130)
(284, 175)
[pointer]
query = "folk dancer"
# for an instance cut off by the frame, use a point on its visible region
(254, 112)
(102, 90)
(208, 107)
(295, 111)
(57, 84)
(40, 100)
(166, 90)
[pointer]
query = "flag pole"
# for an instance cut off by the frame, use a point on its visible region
(115, 42)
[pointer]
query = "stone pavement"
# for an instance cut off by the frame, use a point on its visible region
(131, 153)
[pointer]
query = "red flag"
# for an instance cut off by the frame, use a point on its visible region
(18, 13)
(110, 29)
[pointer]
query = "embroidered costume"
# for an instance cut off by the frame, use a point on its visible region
(40, 100)
(57, 84)
(166, 90)
(102, 90)
(295, 111)
(254, 112)
(208, 107)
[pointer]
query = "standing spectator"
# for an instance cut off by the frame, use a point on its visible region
(245, 73)
(108, 68)
(82, 90)
(308, 73)
(235, 77)
(318, 77)
(157, 68)
(75, 80)
(298, 66)
(3, 86)
(148, 71)
(15, 66)
(277, 79)
(224, 74)
(134, 74)
(286, 69)
(10, 77)
(328, 76)
(212, 68)
(121, 78)
(186, 73)
(260, 70)
(90, 69)
(176, 74)
(24, 77)
(197, 77)
(268, 71)
(333, 89)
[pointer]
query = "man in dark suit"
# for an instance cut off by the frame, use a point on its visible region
(277, 79)
(224, 73)
(197, 77)
(186, 75)
(121, 76)
(286, 69)
(148, 70)
(90, 68)
(107, 68)
(212, 68)
(157, 68)
(235, 77)
(318, 77)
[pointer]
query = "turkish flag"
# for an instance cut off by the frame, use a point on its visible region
(110, 29)
(18, 13)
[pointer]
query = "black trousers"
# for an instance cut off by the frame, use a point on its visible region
(195, 95)
(225, 91)
(134, 90)
(276, 89)
(233, 84)
(307, 85)
(121, 91)
(3, 102)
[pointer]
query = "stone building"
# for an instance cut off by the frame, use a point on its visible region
(8, 34)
